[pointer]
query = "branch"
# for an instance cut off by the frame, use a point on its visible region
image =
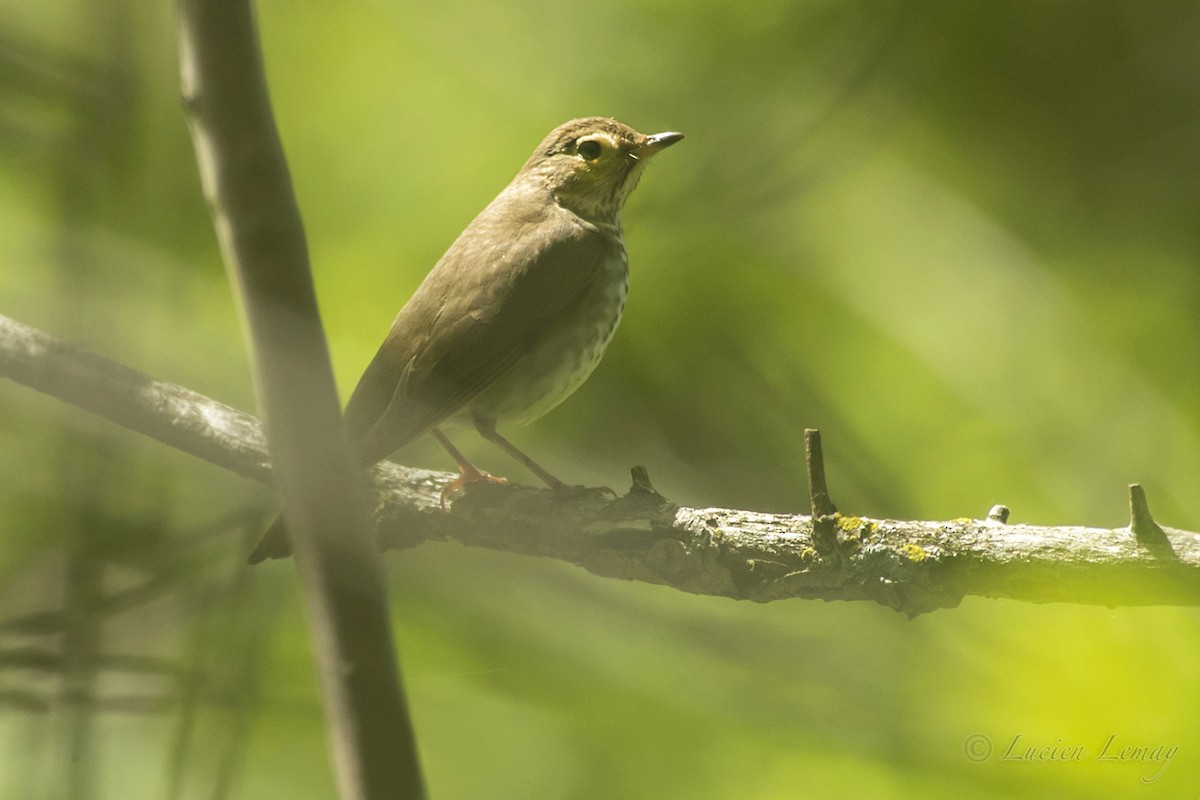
(246, 182)
(173, 415)
(912, 567)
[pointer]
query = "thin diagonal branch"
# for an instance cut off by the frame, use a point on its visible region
(913, 566)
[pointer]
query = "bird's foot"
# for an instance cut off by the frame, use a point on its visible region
(468, 476)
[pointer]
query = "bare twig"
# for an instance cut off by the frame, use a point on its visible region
(910, 566)
(1144, 528)
(824, 512)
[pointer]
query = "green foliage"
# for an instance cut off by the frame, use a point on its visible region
(959, 238)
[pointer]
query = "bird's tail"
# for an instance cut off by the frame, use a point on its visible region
(274, 543)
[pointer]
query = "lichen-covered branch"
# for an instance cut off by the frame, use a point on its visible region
(912, 567)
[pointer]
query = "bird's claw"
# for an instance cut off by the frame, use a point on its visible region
(468, 476)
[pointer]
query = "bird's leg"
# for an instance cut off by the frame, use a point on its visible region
(467, 472)
(487, 429)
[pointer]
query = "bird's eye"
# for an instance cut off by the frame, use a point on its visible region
(589, 149)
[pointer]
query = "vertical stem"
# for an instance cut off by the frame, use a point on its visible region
(246, 181)
(81, 642)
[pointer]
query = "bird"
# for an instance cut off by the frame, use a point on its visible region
(514, 316)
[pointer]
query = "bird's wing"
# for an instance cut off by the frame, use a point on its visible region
(506, 283)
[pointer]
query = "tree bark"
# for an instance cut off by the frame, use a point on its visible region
(914, 566)
(258, 225)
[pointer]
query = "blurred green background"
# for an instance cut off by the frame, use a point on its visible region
(962, 239)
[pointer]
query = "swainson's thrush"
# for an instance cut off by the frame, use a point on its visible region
(516, 314)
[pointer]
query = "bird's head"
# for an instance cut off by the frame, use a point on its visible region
(591, 165)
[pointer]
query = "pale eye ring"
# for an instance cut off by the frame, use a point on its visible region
(589, 149)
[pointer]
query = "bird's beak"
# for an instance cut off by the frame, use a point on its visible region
(656, 142)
